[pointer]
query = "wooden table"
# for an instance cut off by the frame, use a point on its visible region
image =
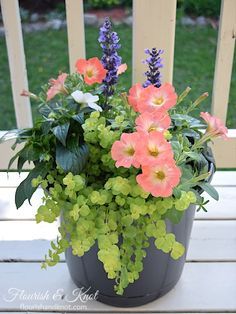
(208, 283)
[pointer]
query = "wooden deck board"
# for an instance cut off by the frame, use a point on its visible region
(8, 209)
(203, 287)
(210, 240)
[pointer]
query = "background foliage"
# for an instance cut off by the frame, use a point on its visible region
(195, 49)
(192, 7)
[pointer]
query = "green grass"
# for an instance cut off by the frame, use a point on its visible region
(46, 54)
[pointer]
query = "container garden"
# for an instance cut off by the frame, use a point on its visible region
(124, 171)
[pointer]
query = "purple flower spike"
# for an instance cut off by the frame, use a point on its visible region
(109, 41)
(154, 63)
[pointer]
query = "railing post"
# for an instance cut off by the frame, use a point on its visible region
(16, 58)
(224, 59)
(75, 30)
(153, 26)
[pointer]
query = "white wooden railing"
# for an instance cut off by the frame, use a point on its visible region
(148, 17)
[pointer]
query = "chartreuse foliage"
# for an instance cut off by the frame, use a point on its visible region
(104, 204)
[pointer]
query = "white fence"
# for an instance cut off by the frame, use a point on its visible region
(148, 16)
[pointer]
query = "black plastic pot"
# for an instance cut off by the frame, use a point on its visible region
(160, 272)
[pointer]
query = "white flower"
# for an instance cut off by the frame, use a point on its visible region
(86, 99)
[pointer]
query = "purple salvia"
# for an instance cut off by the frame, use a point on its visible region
(109, 41)
(154, 63)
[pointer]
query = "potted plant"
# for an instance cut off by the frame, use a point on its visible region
(123, 172)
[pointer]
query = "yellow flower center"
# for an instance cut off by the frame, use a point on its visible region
(130, 151)
(152, 128)
(89, 72)
(158, 101)
(160, 175)
(153, 151)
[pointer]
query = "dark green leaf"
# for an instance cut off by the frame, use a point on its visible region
(79, 118)
(210, 190)
(31, 153)
(20, 163)
(177, 192)
(10, 135)
(72, 161)
(187, 173)
(176, 148)
(86, 110)
(185, 118)
(12, 160)
(202, 164)
(25, 190)
(61, 132)
(207, 153)
(174, 215)
(190, 133)
(46, 126)
(45, 110)
(193, 155)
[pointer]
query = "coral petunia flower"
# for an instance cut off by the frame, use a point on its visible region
(57, 86)
(215, 126)
(160, 179)
(153, 148)
(157, 99)
(124, 151)
(92, 70)
(135, 95)
(156, 121)
(121, 68)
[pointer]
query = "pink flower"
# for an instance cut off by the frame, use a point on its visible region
(160, 179)
(157, 99)
(153, 148)
(28, 94)
(92, 70)
(122, 68)
(124, 151)
(215, 126)
(57, 86)
(135, 95)
(156, 121)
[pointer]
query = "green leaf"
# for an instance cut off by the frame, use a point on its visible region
(210, 190)
(193, 156)
(130, 232)
(61, 132)
(126, 220)
(12, 160)
(20, 163)
(79, 118)
(31, 153)
(202, 164)
(165, 243)
(10, 135)
(14, 134)
(72, 161)
(187, 173)
(177, 250)
(174, 215)
(176, 148)
(25, 190)
(177, 192)
(46, 127)
(190, 133)
(179, 119)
